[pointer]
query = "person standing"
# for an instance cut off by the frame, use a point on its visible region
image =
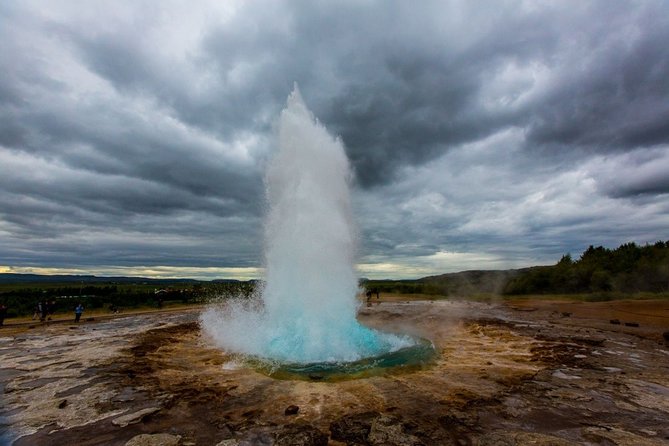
(44, 310)
(51, 309)
(79, 309)
(3, 314)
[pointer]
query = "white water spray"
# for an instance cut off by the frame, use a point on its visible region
(307, 312)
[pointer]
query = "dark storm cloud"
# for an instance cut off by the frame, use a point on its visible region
(392, 84)
(93, 175)
(412, 102)
(408, 82)
(142, 130)
(615, 94)
(638, 174)
(403, 85)
(221, 105)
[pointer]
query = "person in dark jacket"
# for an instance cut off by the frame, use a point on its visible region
(3, 314)
(51, 309)
(44, 310)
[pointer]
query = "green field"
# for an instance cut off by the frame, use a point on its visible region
(21, 298)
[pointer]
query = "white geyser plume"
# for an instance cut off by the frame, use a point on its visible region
(306, 312)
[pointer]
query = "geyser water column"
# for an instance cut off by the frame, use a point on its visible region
(307, 309)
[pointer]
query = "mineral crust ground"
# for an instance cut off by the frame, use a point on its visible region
(517, 372)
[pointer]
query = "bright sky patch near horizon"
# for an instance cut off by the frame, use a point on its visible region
(482, 135)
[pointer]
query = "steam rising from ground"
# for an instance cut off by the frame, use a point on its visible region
(307, 311)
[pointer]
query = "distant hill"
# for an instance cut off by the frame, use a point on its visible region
(21, 292)
(630, 268)
(64, 278)
(467, 283)
(463, 283)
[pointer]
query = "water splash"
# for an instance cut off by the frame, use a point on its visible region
(306, 312)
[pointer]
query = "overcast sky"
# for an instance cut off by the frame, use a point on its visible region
(483, 134)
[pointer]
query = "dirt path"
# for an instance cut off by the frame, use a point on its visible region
(16, 325)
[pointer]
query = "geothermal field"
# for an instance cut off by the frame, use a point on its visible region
(359, 223)
(512, 373)
(306, 361)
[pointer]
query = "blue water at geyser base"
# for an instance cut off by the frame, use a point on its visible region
(303, 321)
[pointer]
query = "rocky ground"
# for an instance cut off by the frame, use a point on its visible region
(514, 373)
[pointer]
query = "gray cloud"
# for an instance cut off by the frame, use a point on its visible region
(491, 128)
(613, 94)
(635, 175)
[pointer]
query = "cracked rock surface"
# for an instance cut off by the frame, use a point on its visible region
(506, 373)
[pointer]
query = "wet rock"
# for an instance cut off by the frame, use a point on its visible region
(594, 341)
(457, 425)
(560, 374)
(596, 439)
(386, 430)
(224, 429)
(291, 410)
(511, 438)
(253, 413)
(134, 417)
(300, 435)
(612, 436)
(353, 428)
(154, 440)
(257, 437)
(459, 419)
(125, 396)
(372, 428)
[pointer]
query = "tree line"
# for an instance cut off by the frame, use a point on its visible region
(630, 268)
(22, 299)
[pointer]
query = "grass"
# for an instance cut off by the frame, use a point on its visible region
(104, 312)
(590, 297)
(489, 297)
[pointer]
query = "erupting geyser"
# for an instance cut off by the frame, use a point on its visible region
(306, 313)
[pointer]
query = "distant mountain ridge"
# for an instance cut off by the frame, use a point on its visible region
(630, 268)
(473, 281)
(57, 278)
(463, 283)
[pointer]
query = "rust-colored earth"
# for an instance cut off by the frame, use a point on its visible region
(510, 373)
